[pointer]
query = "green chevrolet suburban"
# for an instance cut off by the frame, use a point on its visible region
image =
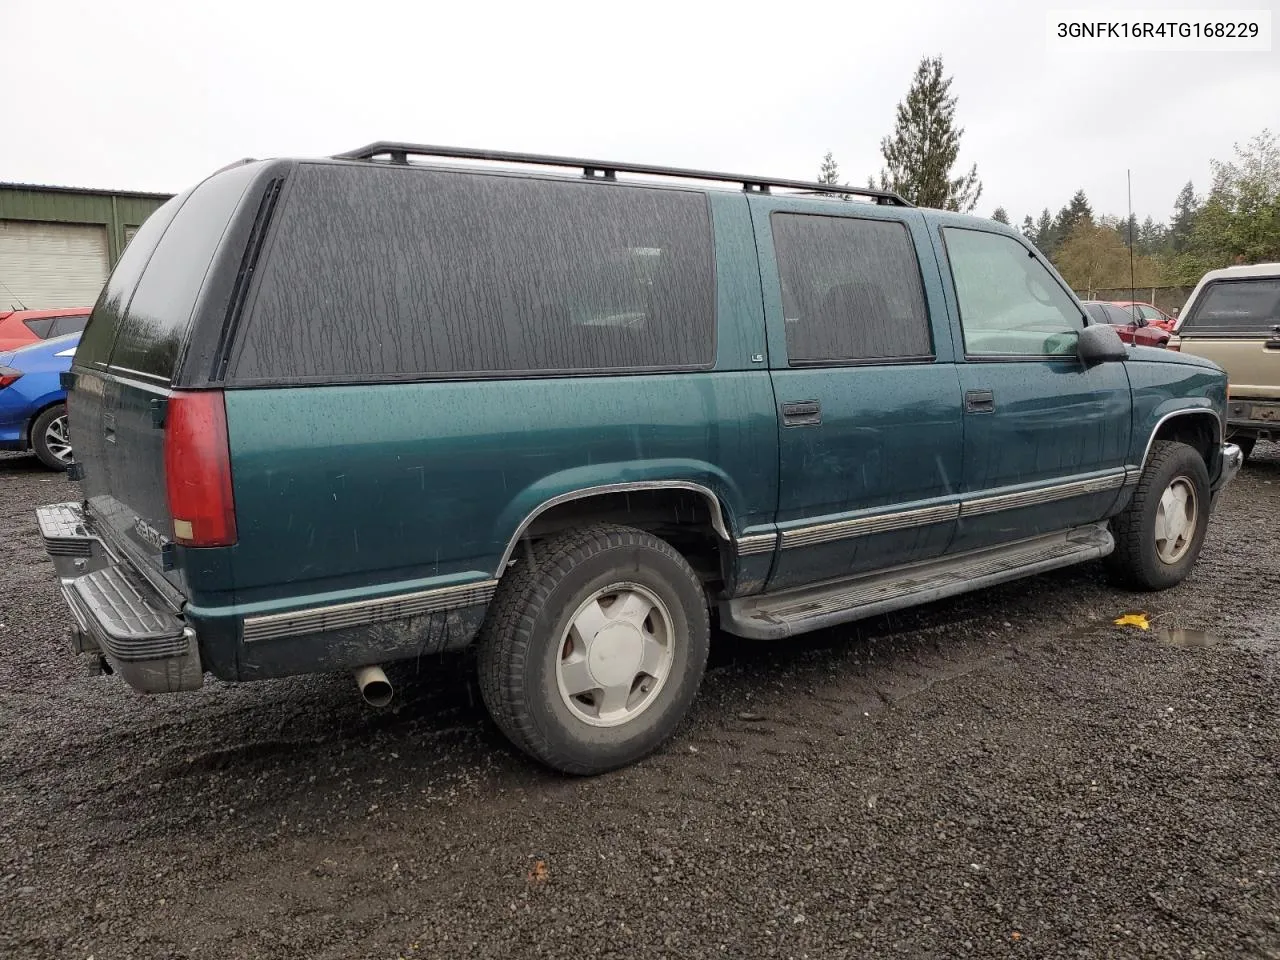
(329, 414)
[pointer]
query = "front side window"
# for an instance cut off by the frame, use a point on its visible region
(851, 290)
(1010, 305)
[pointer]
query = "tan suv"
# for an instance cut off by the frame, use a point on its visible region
(1233, 319)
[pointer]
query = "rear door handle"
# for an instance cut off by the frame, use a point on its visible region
(801, 413)
(979, 401)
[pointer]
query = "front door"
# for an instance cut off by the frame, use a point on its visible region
(868, 399)
(1045, 436)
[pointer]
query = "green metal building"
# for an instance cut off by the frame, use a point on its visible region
(57, 244)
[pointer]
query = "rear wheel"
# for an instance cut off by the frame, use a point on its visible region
(593, 650)
(50, 439)
(1160, 533)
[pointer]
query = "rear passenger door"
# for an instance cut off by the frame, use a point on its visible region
(1045, 436)
(868, 399)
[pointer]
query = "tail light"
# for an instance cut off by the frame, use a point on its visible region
(197, 467)
(8, 375)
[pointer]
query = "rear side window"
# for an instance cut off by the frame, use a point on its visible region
(64, 325)
(1243, 307)
(399, 273)
(159, 313)
(40, 327)
(851, 290)
(100, 332)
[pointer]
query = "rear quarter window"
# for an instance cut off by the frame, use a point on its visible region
(159, 313)
(1236, 307)
(401, 273)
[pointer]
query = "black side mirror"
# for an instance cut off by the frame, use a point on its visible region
(1100, 343)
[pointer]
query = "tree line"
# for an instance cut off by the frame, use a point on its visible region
(1236, 222)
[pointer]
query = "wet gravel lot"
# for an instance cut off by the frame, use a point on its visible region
(1004, 774)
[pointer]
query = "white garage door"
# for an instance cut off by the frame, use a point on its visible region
(51, 264)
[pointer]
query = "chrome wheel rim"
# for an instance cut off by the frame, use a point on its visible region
(1176, 518)
(57, 439)
(615, 655)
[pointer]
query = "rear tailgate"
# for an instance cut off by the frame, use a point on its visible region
(126, 365)
(1236, 324)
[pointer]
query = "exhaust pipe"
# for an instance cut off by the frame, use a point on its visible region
(374, 686)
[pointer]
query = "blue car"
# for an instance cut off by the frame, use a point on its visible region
(33, 404)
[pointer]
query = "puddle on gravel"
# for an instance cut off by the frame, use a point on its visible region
(1187, 639)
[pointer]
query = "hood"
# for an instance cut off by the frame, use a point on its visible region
(1162, 355)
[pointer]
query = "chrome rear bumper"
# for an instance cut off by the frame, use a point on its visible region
(116, 612)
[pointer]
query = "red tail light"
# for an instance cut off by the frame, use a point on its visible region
(197, 468)
(8, 375)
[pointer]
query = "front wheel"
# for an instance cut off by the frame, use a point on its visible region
(49, 438)
(1160, 533)
(593, 649)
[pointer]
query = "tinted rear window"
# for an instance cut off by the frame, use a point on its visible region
(851, 289)
(1236, 306)
(159, 313)
(100, 332)
(376, 272)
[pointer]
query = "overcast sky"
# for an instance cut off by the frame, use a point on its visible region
(152, 95)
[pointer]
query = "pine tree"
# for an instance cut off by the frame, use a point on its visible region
(1071, 216)
(1029, 228)
(922, 150)
(1185, 209)
(829, 172)
(1001, 216)
(1046, 237)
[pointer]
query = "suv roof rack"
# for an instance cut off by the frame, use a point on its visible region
(608, 170)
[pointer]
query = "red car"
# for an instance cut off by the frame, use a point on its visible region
(21, 327)
(1153, 315)
(1138, 331)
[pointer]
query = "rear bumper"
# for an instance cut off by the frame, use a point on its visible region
(115, 611)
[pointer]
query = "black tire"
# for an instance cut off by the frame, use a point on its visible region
(523, 638)
(1245, 444)
(40, 444)
(1136, 562)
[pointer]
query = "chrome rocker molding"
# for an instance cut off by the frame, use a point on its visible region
(977, 506)
(864, 526)
(274, 626)
(756, 543)
(1041, 495)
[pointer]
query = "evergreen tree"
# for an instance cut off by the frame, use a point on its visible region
(829, 172)
(925, 143)
(1046, 238)
(1029, 228)
(1185, 209)
(1001, 216)
(1072, 215)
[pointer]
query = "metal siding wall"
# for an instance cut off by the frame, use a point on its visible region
(88, 208)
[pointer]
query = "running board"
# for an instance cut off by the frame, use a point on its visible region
(772, 616)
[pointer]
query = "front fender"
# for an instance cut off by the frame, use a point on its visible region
(1163, 391)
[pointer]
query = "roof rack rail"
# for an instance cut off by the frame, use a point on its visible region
(608, 170)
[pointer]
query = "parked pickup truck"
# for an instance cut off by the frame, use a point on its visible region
(1233, 319)
(334, 413)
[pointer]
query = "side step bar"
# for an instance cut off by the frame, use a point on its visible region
(785, 614)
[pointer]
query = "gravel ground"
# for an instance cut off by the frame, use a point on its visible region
(1005, 774)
